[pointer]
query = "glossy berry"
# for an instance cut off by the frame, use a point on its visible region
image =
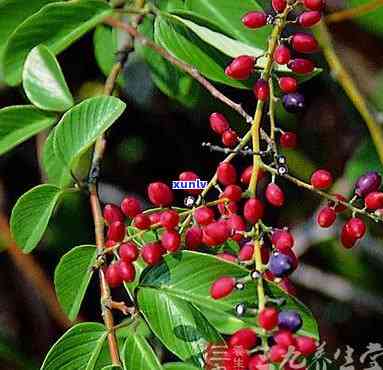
(109, 243)
(279, 5)
(128, 252)
(233, 193)
(227, 208)
(288, 140)
(171, 240)
(152, 253)
(282, 240)
(226, 257)
(326, 217)
(309, 19)
(314, 4)
(347, 240)
(193, 237)
(288, 286)
(258, 362)
(222, 287)
(284, 338)
(127, 271)
(288, 84)
(189, 176)
(246, 338)
(131, 206)
(230, 138)
(321, 179)
(281, 265)
(338, 207)
(112, 213)
(282, 54)
(304, 43)
(226, 173)
(300, 65)
(355, 227)
(155, 218)
(204, 215)
(112, 275)
(241, 67)
(254, 19)
(367, 183)
(169, 219)
(247, 252)
(116, 231)
(236, 358)
(277, 353)
(160, 194)
(293, 102)
(142, 221)
(247, 173)
(305, 345)
(261, 90)
(236, 225)
(374, 200)
(275, 195)
(289, 320)
(217, 231)
(253, 210)
(268, 318)
(218, 123)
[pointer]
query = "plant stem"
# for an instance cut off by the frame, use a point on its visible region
(347, 83)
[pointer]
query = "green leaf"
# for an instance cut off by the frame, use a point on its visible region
(44, 82)
(371, 21)
(188, 276)
(79, 348)
(31, 214)
(179, 325)
(179, 366)
(72, 277)
(78, 130)
(138, 355)
(57, 26)
(112, 367)
(20, 122)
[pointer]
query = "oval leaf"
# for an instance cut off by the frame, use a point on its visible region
(79, 348)
(20, 122)
(44, 82)
(57, 26)
(138, 355)
(31, 214)
(72, 277)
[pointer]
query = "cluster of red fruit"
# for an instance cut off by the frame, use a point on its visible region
(286, 348)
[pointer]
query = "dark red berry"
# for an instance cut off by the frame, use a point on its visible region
(253, 210)
(309, 19)
(131, 206)
(356, 227)
(152, 253)
(230, 138)
(218, 231)
(227, 208)
(288, 84)
(367, 183)
(226, 173)
(246, 338)
(112, 275)
(314, 4)
(128, 252)
(169, 219)
(300, 65)
(268, 318)
(258, 362)
(326, 217)
(338, 207)
(112, 213)
(282, 54)
(218, 123)
(374, 200)
(160, 194)
(282, 239)
(142, 221)
(284, 338)
(277, 353)
(304, 43)
(233, 193)
(321, 179)
(348, 240)
(261, 90)
(222, 287)
(247, 173)
(226, 257)
(236, 225)
(247, 252)
(241, 67)
(275, 195)
(204, 215)
(127, 271)
(116, 231)
(279, 5)
(171, 240)
(288, 140)
(254, 19)
(294, 102)
(155, 218)
(193, 237)
(288, 286)
(109, 243)
(305, 345)
(189, 176)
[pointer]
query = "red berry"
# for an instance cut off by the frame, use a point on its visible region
(254, 19)
(253, 210)
(155, 217)
(193, 238)
(142, 221)
(314, 4)
(160, 194)
(152, 253)
(274, 195)
(261, 90)
(189, 176)
(112, 213)
(230, 138)
(282, 54)
(284, 338)
(116, 231)
(282, 239)
(338, 207)
(321, 179)
(288, 140)
(241, 67)
(131, 206)
(171, 240)
(236, 225)
(226, 257)
(247, 252)
(222, 287)
(233, 193)
(374, 200)
(112, 275)
(245, 338)
(268, 318)
(218, 123)
(355, 227)
(304, 43)
(258, 362)
(300, 65)
(169, 219)
(288, 286)
(247, 173)
(227, 208)
(127, 271)
(288, 84)
(308, 19)
(236, 358)
(348, 241)
(110, 243)
(326, 217)
(279, 5)
(204, 215)
(277, 353)
(226, 173)
(218, 231)
(128, 252)
(305, 345)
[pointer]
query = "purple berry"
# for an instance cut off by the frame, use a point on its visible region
(281, 265)
(289, 320)
(294, 102)
(367, 183)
